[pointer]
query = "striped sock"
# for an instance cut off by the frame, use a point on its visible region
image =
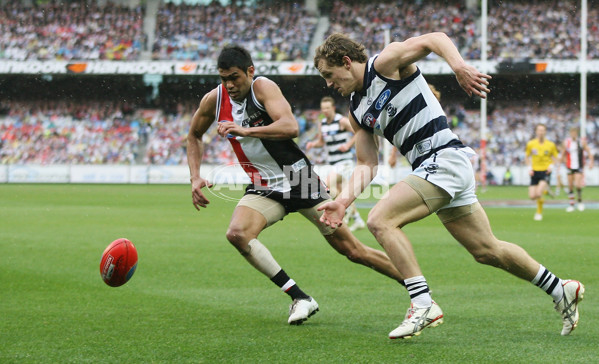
(288, 285)
(571, 198)
(549, 283)
(419, 292)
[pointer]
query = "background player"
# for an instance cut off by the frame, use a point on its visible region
(337, 136)
(573, 155)
(541, 154)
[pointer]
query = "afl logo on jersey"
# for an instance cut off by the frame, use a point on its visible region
(382, 99)
(369, 120)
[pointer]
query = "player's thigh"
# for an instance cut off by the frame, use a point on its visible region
(313, 215)
(340, 238)
(470, 227)
(253, 213)
(532, 191)
(398, 207)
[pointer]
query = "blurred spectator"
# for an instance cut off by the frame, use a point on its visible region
(193, 32)
(74, 30)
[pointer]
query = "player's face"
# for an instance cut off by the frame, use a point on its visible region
(574, 134)
(327, 109)
(337, 77)
(236, 81)
(540, 131)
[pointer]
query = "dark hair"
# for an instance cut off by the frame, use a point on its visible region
(336, 46)
(234, 55)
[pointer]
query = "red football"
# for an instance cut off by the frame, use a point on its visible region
(118, 263)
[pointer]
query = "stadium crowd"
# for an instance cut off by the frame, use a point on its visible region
(48, 132)
(193, 32)
(104, 133)
(80, 30)
(70, 30)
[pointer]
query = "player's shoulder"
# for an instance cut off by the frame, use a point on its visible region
(261, 82)
(263, 88)
(211, 96)
(208, 102)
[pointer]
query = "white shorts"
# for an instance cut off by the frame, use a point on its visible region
(451, 169)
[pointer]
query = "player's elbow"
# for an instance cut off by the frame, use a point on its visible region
(292, 130)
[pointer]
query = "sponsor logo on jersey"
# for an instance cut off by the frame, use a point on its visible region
(382, 99)
(424, 146)
(297, 166)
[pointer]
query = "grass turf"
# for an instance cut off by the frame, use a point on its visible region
(194, 299)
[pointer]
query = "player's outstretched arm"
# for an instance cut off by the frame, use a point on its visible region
(402, 55)
(200, 122)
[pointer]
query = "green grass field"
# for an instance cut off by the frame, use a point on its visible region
(194, 299)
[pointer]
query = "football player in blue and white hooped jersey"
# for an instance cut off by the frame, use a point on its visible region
(336, 135)
(389, 97)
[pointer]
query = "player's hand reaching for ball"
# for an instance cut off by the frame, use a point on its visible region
(199, 200)
(333, 213)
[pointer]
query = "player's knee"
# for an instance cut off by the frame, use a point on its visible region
(376, 225)
(486, 255)
(238, 238)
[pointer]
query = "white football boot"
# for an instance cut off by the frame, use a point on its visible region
(538, 217)
(580, 206)
(570, 208)
(416, 320)
(568, 306)
(301, 309)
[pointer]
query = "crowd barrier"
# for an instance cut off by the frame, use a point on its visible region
(227, 175)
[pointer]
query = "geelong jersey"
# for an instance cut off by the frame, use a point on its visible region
(574, 159)
(334, 137)
(541, 154)
(405, 112)
(272, 165)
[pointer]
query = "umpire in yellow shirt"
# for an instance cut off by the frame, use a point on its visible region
(541, 154)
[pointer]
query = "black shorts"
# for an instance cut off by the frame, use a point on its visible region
(294, 200)
(574, 170)
(538, 176)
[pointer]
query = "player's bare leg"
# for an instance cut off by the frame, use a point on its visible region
(536, 193)
(246, 223)
(345, 243)
(400, 206)
(473, 231)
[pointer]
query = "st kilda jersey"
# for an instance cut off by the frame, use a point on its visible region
(278, 169)
(405, 112)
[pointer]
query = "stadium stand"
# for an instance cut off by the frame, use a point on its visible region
(106, 130)
(70, 31)
(192, 32)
